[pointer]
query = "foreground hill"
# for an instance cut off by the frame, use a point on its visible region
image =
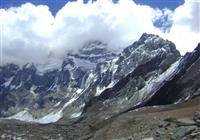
(152, 123)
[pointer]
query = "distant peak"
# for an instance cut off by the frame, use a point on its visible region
(94, 42)
(145, 36)
(198, 47)
(93, 47)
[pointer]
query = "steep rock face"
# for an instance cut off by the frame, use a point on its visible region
(83, 78)
(184, 85)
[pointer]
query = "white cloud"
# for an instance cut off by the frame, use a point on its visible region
(30, 33)
(185, 31)
(26, 33)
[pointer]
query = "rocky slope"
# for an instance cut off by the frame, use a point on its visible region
(169, 122)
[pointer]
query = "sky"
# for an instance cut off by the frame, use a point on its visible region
(39, 30)
(56, 5)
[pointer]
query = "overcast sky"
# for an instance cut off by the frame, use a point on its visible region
(34, 30)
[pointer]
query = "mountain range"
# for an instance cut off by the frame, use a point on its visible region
(95, 86)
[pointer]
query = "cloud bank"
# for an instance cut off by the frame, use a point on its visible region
(185, 31)
(31, 33)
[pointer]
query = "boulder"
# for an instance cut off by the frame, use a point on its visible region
(164, 124)
(196, 118)
(185, 122)
(183, 131)
(160, 132)
(195, 135)
(150, 138)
